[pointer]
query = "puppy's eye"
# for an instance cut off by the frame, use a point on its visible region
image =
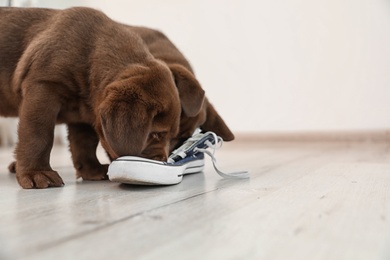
(157, 135)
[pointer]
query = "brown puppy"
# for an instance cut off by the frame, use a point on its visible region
(207, 117)
(78, 67)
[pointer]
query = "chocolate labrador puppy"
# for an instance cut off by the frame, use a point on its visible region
(78, 67)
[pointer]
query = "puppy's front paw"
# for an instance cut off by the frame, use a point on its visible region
(39, 179)
(95, 173)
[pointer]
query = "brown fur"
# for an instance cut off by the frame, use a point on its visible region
(78, 67)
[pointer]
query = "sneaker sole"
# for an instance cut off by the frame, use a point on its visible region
(141, 171)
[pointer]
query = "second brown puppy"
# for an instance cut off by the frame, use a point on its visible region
(207, 117)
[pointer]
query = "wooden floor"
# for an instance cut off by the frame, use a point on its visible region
(303, 201)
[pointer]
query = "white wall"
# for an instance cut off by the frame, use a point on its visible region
(278, 65)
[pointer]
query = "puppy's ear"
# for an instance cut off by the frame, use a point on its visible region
(215, 123)
(125, 121)
(125, 129)
(191, 93)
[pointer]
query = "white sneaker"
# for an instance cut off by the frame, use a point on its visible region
(142, 171)
(187, 159)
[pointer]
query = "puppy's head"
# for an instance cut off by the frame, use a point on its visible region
(196, 109)
(140, 113)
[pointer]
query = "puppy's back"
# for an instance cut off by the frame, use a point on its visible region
(18, 27)
(160, 46)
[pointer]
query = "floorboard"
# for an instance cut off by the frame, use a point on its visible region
(311, 200)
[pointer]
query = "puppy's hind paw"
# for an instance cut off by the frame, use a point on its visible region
(12, 167)
(96, 173)
(39, 179)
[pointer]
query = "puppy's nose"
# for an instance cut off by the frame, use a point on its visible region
(162, 158)
(157, 156)
(155, 153)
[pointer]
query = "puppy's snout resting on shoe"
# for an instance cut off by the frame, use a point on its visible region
(126, 87)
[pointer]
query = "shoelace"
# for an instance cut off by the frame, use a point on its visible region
(218, 141)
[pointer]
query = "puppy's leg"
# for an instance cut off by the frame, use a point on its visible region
(38, 114)
(83, 142)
